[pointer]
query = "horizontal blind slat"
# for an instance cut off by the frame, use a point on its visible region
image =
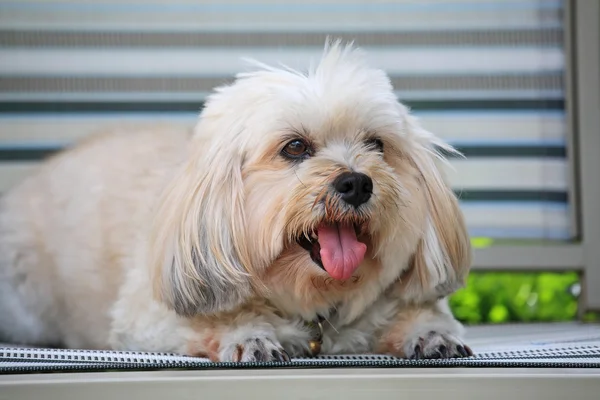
(484, 128)
(228, 61)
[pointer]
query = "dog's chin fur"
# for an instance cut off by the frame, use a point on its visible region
(162, 240)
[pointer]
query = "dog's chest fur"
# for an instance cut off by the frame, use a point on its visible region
(347, 328)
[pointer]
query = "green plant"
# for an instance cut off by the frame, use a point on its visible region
(500, 297)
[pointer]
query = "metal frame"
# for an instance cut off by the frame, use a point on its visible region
(586, 28)
(582, 49)
(551, 257)
(456, 383)
(570, 86)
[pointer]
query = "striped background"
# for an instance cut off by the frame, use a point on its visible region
(486, 75)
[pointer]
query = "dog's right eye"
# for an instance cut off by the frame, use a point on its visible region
(375, 143)
(296, 149)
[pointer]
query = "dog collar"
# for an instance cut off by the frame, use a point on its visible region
(316, 331)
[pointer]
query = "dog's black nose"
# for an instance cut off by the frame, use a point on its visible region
(355, 188)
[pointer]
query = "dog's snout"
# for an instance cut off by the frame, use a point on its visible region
(354, 188)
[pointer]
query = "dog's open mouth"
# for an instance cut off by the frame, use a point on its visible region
(336, 249)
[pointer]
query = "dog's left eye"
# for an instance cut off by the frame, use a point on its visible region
(375, 143)
(296, 149)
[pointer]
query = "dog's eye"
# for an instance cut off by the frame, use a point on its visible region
(375, 143)
(296, 149)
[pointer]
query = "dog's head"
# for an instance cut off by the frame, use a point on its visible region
(307, 185)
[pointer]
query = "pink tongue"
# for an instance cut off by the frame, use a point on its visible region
(341, 252)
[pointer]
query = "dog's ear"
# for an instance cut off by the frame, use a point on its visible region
(198, 249)
(442, 260)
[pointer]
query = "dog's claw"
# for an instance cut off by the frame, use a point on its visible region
(462, 351)
(418, 353)
(469, 351)
(280, 355)
(255, 350)
(443, 351)
(259, 356)
(286, 356)
(435, 345)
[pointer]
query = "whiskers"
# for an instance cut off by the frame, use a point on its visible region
(330, 324)
(300, 180)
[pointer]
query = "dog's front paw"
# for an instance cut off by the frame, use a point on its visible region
(434, 344)
(254, 349)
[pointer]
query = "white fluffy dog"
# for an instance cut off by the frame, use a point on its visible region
(304, 214)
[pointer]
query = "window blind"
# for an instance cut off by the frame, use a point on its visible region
(486, 75)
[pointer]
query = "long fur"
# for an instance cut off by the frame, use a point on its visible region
(161, 239)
